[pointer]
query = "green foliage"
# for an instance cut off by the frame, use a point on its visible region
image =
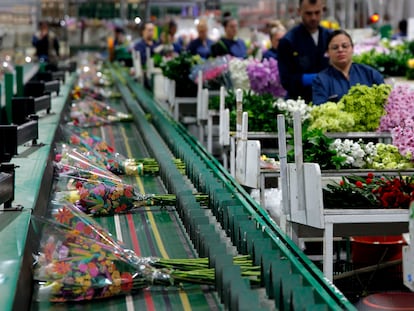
(393, 63)
(260, 108)
(316, 149)
(179, 68)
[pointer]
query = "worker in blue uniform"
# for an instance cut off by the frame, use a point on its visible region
(146, 41)
(301, 52)
(335, 81)
(276, 33)
(229, 44)
(202, 44)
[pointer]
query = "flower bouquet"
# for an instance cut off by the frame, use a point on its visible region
(75, 264)
(90, 112)
(214, 73)
(238, 73)
(264, 77)
(72, 162)
(114, 161)
(370, 192)
(102, 198)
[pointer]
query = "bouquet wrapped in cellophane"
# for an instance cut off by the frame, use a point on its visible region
(89, 112)
(79, 260)
(70, 161)
(108, 197)
(114, 161)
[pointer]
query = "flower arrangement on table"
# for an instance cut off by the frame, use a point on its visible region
(370, 192)
(73, 264)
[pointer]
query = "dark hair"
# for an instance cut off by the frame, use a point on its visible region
(337, 33)
(310, 1)
(172, 23)
(226, 18)
(119, 30)
(402, 26)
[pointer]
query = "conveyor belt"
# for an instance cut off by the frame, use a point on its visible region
(151, 231)
(290, 279)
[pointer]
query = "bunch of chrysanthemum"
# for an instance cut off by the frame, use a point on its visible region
(331, 117)
(238, 73)
(290, 106)
(403, 137)
(389, 157)
(400, 106)
(264, 77)
(355, 154)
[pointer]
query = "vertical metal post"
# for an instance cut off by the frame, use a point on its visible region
(19, 80)
(8, 81)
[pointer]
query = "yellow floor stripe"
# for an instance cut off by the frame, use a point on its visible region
(183, 296)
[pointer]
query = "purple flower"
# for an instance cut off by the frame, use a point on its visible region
(264, 77)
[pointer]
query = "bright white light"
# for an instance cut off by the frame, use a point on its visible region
(99, 74)
(28, 59)
(196, 21)
(86, 69)
(5, 64)
(137, 20)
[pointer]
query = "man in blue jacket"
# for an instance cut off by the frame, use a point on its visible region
(301, 52)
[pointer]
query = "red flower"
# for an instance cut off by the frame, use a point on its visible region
(341, 183)
(359, 184)
(370, 175)
(126, 281)
(368, 181)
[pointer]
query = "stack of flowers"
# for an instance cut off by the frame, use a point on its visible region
(214, 73)
(79, 260)
(238, 73)
(347, 154)
(363, 103)
(264, 77)
(370, 192)
(290, 106)
(355, 154)
(331, 117)
(399, 118)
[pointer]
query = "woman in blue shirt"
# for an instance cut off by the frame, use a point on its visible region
(335, 81)
(229, 44)
(276, 33)
(202, 44)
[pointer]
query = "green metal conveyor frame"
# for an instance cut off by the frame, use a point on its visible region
(290, 279)
(289, 276)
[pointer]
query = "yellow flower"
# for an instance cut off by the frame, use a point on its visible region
(73, 196)
(410, 63)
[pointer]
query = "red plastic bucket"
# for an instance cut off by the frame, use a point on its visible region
(368, 250)
(389, 301)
